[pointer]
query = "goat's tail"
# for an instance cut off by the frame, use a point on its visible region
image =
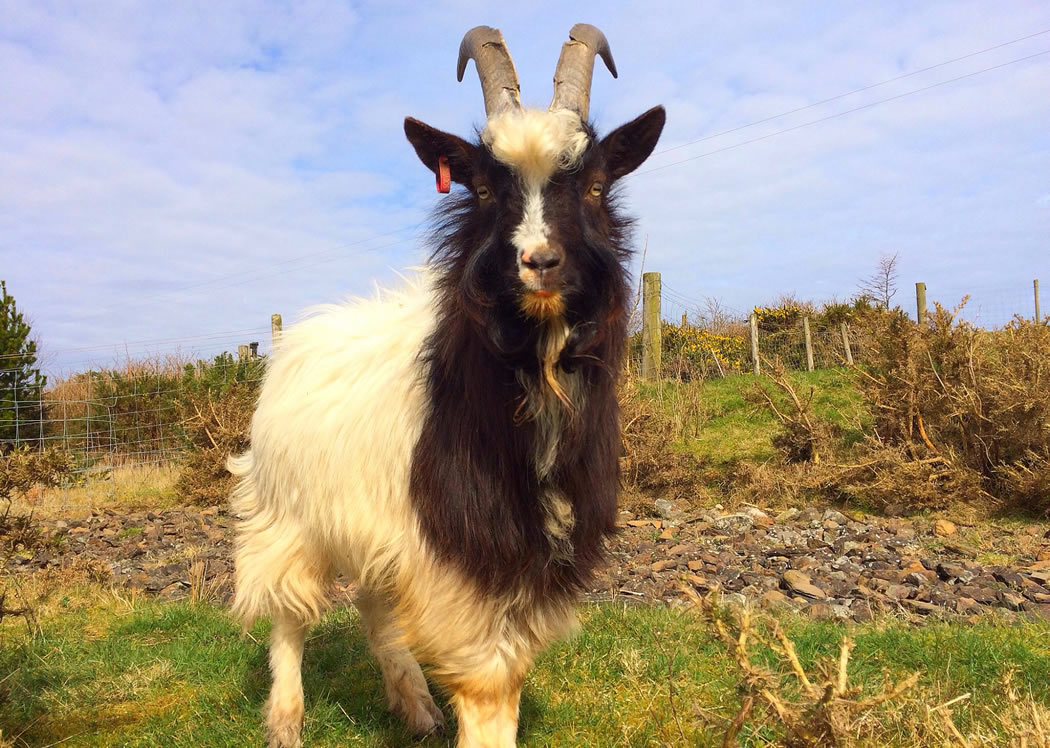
(277, 571)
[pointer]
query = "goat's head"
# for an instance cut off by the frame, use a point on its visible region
(536, 233)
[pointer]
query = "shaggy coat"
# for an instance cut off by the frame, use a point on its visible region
(453, 446)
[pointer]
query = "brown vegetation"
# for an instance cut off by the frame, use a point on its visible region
(824, 709)
(216, 426)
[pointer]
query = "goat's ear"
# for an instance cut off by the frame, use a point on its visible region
(627, 146)
(431, 143)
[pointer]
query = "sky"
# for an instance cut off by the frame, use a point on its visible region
(171, 174)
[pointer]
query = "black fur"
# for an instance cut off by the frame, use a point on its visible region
(473, 482)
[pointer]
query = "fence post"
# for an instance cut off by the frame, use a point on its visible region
(254, 348)
(809, 343)
(845, 344)
(275, 328)
(242, 353)
(1035, 288)
(652, 345)
(920, 303)
(753, 320)
(685, 319)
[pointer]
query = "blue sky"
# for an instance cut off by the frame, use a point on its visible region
(172, 174)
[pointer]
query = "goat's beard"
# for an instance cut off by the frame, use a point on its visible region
(544, 307)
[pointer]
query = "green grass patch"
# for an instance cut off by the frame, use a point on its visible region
(720, 427)
(151, 673)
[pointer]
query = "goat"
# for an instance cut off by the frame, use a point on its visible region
(453, 447)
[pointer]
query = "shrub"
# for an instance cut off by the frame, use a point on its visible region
(695, 353)
(215, 405)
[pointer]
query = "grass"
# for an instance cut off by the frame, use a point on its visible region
(126, 488)
(112, 671)
(720, 427)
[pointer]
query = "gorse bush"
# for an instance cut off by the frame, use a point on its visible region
(694, 353)
(964, 398)
(215, 411)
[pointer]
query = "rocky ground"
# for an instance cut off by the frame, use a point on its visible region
(825, 563)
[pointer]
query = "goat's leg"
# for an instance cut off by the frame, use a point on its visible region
(284, 708)
(488, 713)
(406, 689)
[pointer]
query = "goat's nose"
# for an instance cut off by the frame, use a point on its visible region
(541, 259)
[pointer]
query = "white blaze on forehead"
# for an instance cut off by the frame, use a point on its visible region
(535, 144)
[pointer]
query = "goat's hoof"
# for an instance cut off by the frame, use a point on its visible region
(424, 719)
(284, 730)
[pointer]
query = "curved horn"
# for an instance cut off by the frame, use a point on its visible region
(499, 81)
(572, 77)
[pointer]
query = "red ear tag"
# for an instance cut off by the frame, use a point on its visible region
(444, 175)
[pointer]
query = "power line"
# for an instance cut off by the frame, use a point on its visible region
(298, 260)
(840, 114)
(850, 93)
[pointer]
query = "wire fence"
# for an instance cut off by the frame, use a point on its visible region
(707, 338)
(134, 414)
(114, 418)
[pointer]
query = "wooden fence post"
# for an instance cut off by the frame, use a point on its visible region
(242, 353)
(920, 303)
(809, 343)
(652, 345)
(1038, 315)
(685, 318)
(254, 348)
(845, 345)
(753, 320)
(275, 328)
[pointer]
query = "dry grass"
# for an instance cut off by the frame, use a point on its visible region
(650, 430)
(820, 707)
(129, 488)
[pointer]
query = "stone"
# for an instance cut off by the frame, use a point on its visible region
(664, 565)
(1008, 577)
(666, 509)
(733, 524)
(776, 599)
(787, 515)
(900, 591)
(983, 595)
(825, 611)
(951, 572)
(809, 514)
(695, 565)
(916, 579)
(942, 528)
(760, 518)
(919, 606)
(834, 516)
(1011, 601)
(799, 584)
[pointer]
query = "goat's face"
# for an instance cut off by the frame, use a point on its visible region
(536, 236)
(538, 215)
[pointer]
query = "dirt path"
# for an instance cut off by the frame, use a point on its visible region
(822, 562)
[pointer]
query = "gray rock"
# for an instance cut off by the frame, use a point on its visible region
(733, 524)
(666, 509)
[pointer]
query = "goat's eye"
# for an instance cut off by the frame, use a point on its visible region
(597, 189)
(483, 192)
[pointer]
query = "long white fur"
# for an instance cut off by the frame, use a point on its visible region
(325, 489)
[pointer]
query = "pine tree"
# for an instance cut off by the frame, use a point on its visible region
(21, 383)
